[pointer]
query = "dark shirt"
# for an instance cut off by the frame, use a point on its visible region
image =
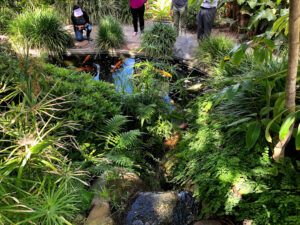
(75, 20)
(179, 3)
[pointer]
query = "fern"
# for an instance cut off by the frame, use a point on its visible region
(146, 113)
(121, 160)
(126, 140)
(114, 125)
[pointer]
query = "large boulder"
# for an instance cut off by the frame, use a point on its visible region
(208, 222)
(162, 208)
(112, 192)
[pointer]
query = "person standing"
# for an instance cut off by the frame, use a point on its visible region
(205, 18)
(137, 8)
(81, 22)
(179, 11)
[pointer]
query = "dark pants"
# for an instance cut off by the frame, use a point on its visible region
(79, 33)
(138, 15)
(205, 21)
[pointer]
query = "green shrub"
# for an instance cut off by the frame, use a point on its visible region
(158, 41)
(213, 49)
(124, 11)
(41, 29)
(191, 17)
(230, 179)
(110, 34)
(160, 10)
(6, 15)
(90, 102)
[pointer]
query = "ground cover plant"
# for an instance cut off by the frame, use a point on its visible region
(233, 125)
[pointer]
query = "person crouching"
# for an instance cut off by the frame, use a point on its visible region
(81, 22)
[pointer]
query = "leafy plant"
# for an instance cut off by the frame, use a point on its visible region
(5, 16)
(110, 34)
(158, 41)
(41, 29)
(90, 102)
(54, 204)
(213, 49)
(160, 10)
(191, 17)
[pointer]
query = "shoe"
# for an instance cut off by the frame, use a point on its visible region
(134, 34)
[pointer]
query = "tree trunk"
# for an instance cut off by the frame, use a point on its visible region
(290, 88)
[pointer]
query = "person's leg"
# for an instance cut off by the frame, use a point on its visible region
(134, 19)
(88, 29)
(141, 12)
(176, 17)
(78, 35)
(200, 28)
(208, 21)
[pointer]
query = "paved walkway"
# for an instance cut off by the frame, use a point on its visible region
(184, 48)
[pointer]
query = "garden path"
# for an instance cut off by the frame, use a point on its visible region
(184, 48)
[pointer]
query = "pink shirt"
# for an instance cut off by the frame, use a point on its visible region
(135, 4)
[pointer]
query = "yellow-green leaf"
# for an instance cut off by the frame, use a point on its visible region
(285, 127)
(298, 138)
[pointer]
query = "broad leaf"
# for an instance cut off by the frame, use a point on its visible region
(285, 127)
(252, 134)
(267, 131)
(297, 139)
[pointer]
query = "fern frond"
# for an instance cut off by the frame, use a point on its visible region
(121, 160)
(114, 125)
(126, 140)
(145, 113)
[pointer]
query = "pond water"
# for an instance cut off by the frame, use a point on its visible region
(186, 83)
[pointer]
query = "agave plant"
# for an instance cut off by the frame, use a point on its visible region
(110, 34)
(40, 29)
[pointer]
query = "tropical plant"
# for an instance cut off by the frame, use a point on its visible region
(158, 41)
(160, 10)
(110, 34)
(52, 204)
(262, 13)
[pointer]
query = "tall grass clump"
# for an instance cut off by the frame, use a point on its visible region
(5, 16)
(213, 49)
(158, 41)
(40, 29)
(110, 34)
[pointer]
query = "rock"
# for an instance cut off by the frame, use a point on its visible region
(100, 215)
(247, 222)
(113, 190)
(162, 208)
(208, 222)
